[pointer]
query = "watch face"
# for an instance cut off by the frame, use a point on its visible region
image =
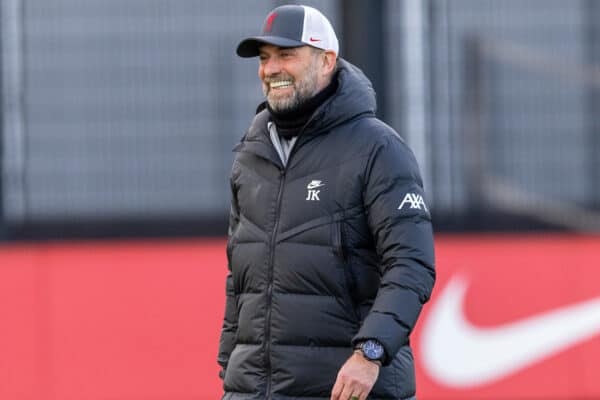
(372, 350)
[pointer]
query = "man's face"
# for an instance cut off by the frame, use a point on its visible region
(289, 75)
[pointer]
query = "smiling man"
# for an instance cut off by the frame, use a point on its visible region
(329, 267)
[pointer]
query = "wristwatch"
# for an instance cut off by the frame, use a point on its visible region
(372, 350)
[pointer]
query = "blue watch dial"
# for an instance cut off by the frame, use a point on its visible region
(372, 349)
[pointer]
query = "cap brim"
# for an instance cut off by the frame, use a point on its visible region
(250, 47)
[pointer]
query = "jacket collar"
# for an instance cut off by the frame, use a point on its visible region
(353, 98)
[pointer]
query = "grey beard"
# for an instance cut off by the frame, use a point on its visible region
(301, 94)
(305, 89)
(286, 104)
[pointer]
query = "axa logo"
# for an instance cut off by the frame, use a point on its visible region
(313, 193)
(413, 200)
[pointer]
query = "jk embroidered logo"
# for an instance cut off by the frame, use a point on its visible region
(313, 194)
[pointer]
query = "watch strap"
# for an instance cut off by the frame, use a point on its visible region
(359, 351)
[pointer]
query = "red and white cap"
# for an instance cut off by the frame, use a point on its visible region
(292, 26)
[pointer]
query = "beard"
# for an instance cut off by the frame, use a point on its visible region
(304, 89)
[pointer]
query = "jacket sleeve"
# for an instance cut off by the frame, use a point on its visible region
(400, 222)
(230, 320)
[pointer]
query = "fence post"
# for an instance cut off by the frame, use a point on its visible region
(473, 110)
(592, 8)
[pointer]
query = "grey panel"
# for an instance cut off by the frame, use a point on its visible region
(534, 119)
(131, 107)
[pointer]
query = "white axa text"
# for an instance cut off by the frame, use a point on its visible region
(415, 201)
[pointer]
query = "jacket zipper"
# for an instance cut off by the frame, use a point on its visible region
(270, 284)
(282, 174)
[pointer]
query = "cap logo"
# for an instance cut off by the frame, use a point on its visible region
(312, 39)
(269, 23)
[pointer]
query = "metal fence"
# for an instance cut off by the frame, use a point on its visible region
(513, 111)
(127, 110)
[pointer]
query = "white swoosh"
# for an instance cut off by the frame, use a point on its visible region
(313, 185)
(459, 354)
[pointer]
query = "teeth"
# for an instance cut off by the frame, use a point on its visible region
(280, 84)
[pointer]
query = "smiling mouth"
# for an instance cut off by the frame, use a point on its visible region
(280, 84)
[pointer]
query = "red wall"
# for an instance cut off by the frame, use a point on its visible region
(140, 320)
(111, 320)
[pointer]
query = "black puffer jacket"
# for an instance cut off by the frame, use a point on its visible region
(334, 248)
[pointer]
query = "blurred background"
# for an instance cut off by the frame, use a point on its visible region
(117, 120)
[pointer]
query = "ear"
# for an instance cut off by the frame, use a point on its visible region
(328, 61)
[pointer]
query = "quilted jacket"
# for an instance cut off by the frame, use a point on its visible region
(331, 249)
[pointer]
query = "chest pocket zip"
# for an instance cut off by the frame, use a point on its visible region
(340, 251)
(338, 240)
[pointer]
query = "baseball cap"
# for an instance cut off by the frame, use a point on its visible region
(292, 26)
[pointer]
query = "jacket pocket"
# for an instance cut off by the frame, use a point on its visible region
(348, 281)
(337, 240)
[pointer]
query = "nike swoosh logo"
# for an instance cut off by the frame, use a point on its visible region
(314, 185)
(314, 40)
(459, 354)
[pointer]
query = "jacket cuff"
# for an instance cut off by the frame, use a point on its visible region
(390, 329)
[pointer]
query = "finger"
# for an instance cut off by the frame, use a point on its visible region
(348, 392)
(337, 390)
(357, 396)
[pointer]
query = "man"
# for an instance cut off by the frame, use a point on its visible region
(330, 244)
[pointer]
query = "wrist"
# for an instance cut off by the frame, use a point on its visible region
(359, 353)
(371, 350)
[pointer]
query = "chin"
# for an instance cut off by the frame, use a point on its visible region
(281, 105)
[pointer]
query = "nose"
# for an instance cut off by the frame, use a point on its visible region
(271, 66)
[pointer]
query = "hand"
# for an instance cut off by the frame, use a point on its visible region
(355, 379)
